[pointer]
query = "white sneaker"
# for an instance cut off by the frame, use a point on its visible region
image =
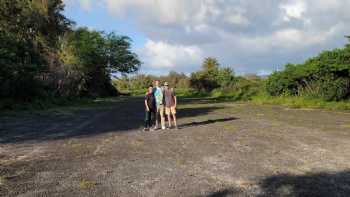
(163, 128)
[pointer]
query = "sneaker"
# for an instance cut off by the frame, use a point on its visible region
(163, 128)
(152, 129)
(145, 129)
(155, 128)
(168, 128)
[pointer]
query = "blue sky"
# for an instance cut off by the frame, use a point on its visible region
(247, 36)
(99, 19)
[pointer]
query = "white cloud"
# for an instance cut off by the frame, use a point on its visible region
(294, 9)
(162, 55)
(252, 35)
(237, 19)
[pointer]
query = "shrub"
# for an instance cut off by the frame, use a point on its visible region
(335, 89)
(326, 76)
(241, 90)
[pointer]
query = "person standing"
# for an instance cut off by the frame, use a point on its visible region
(159, 97)
(150, 109)
(170, 104)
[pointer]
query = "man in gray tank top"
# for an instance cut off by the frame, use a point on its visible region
(170, 104)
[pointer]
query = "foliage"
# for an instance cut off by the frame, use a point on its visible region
(243, 89)
(300, 102)
(137, 84)
(93, 56)
(210, 63)
(211, 76)
(120, 58)
(42, 56)
(27, 43)
(326, 76)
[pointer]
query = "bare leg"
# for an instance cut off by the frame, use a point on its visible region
(174, 118)
(169, 120)
(162, 118)
(157, 121)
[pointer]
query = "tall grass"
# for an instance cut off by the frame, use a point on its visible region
(301, 102)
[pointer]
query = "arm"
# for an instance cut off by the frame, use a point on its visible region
(146, 105)
(175, 99)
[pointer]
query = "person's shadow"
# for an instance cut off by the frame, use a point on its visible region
(207, 122)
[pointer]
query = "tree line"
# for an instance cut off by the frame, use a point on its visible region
(43, 55)
(325, 77)
(211, 80)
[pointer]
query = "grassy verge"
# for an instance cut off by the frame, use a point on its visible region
(301, 102)
(263, 98)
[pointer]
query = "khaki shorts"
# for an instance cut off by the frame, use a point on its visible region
(170, 110)
(160, 110)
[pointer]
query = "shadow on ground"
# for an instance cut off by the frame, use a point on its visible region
(323, 184)
(194, 124)
(124, 116)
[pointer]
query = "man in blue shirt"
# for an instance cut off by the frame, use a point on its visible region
(159, 96)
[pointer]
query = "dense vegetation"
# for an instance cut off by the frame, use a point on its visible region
(326, 76)
(137, 84)
(212, 80)
(322, 81)
(42, 55)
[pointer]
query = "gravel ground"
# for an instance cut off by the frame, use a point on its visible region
(222, 149)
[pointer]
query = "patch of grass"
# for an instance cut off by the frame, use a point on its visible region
(347, 126)
(190, 93)
(301, 102)
(2, 181)
(137, 143)
(230, 127)
(180, 162)
(85, 184)
(138, 92)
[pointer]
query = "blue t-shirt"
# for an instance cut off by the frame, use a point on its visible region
(158, 94)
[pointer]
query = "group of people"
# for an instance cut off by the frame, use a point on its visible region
(160, 102)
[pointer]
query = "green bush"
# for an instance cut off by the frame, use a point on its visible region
(326, 76)
(241, 90)
(335, 89)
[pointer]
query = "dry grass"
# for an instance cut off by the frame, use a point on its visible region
(86, 184)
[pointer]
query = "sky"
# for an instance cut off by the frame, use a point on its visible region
(250, 36)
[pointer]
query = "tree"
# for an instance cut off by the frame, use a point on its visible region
(120, 57)
(29, 32)
(97, 55)
(211, 76)
(42, 57)
(210, 63)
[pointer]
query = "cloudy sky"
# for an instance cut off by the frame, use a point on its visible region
(251, 36)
